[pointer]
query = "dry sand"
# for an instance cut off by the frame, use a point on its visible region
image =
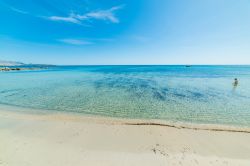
(70, 140)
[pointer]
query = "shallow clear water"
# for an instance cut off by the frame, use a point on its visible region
(197, 94)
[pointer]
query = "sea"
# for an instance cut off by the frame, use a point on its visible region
(197, 94)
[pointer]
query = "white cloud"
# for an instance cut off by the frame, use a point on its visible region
(105, 15)
(75, 41)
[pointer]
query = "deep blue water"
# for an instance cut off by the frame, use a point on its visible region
(196, 94)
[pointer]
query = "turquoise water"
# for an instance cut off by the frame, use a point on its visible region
(197, 94)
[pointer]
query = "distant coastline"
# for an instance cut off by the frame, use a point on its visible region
(18, 66)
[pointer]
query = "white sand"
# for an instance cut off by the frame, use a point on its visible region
(68, 140)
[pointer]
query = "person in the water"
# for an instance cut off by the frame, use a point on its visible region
(236, 82)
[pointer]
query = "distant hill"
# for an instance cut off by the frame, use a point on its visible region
(10, 63)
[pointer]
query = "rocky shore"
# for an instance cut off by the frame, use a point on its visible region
(21, 68)
(9, 69)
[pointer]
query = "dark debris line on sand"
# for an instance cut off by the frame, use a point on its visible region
(187, 127)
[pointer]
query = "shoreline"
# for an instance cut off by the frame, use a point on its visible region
(121, 121)
(62, 139)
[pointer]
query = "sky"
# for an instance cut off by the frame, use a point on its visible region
(103, 32)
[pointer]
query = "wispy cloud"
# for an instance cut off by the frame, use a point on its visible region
(105, 15)
(140, 38)
(70, 19)
(75, 41)
(18, 10)
(85, 41)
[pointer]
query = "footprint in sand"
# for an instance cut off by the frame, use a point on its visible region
(157, 150)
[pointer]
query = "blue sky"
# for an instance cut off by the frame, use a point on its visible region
(125, 31)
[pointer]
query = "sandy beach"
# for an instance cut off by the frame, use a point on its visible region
(64, 140)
